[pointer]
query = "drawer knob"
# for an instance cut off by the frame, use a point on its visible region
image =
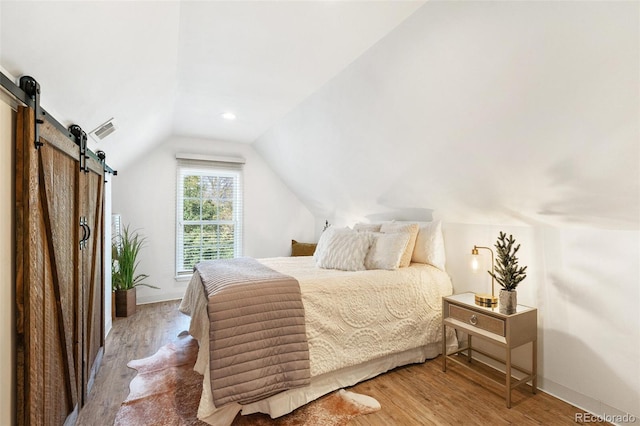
(473, 320)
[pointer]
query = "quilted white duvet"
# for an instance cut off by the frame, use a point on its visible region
(352, 317)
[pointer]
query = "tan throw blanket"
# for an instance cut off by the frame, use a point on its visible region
(258, 343)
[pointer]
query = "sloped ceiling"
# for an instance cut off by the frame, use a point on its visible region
(98, 60)
(478, 112)
(165, 68)
(471, 111)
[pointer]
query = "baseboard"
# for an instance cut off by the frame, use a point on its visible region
(148, 301)
(108, 325)
(598, 409)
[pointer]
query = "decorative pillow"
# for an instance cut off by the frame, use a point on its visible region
(429, 246)
(412, 229)
(343, 249)
(386, 250)
(323, 242)
(302, 249)
(367, 227)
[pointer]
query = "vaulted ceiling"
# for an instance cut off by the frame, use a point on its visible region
(163, 68)
(477, 112)
(491, 112)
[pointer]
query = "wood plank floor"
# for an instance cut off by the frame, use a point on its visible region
(420, 394)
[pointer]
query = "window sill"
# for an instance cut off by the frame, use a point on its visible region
(180, 278)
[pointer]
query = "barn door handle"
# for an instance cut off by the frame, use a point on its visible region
(86, 232)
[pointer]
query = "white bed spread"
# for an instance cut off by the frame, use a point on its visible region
(352, 318)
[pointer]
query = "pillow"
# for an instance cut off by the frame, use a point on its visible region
(386, 250)
(343, 249)
(324, 240)
(412, 229)
(367, 227)
(429, 246)
(302, 249)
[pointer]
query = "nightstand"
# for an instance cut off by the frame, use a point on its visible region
(507, 331)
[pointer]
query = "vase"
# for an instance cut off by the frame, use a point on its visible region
(508, 300)
(125, 302)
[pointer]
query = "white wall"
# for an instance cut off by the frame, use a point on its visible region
(514, 116)
(7, 262)
(144, 194)
(584, 282)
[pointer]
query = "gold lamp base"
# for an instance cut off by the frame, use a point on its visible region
(486, 300)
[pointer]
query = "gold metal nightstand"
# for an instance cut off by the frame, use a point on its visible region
(507, 331)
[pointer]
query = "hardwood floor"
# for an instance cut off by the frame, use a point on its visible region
(419, 394)
(134, 337)
(422, 394)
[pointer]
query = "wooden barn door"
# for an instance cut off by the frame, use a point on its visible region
(58, 276)
(92, 276)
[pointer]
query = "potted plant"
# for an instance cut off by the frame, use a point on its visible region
(508, 273)
(124, 278)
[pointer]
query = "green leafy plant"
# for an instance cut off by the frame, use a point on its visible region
(125, 250)
(507, 272)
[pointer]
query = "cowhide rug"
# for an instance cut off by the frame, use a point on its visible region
(166, 391)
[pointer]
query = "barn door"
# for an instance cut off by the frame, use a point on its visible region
(92, 277)
(58, 275)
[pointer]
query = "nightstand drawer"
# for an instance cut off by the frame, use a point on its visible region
(477, 319)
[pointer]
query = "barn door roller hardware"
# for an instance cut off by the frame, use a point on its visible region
(81, 141)
(32, 88)
(28, 94)
(102, 157)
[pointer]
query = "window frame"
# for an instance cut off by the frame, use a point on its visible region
(213, 169)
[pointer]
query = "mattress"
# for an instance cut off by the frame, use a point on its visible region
(358, 324)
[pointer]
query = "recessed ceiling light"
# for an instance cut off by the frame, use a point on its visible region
(228, 116)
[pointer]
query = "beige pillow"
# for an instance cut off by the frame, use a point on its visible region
(386, 250)
(412, 229)
(430, 245)
(367, 227)
(302, 249)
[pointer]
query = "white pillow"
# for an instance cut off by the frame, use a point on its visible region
(412, 229)
(367, 227)
(386, 250)
(323, 241)
(429, 246)
(343, 249)
(325, 237)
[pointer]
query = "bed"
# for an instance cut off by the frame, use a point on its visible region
(358, 324)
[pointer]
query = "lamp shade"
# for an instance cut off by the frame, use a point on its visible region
(474, 263)
(483, 299)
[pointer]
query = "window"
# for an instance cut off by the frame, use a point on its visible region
(208, 212)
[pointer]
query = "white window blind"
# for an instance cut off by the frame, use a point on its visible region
(208, 212)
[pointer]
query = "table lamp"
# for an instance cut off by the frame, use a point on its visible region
(483, 299)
